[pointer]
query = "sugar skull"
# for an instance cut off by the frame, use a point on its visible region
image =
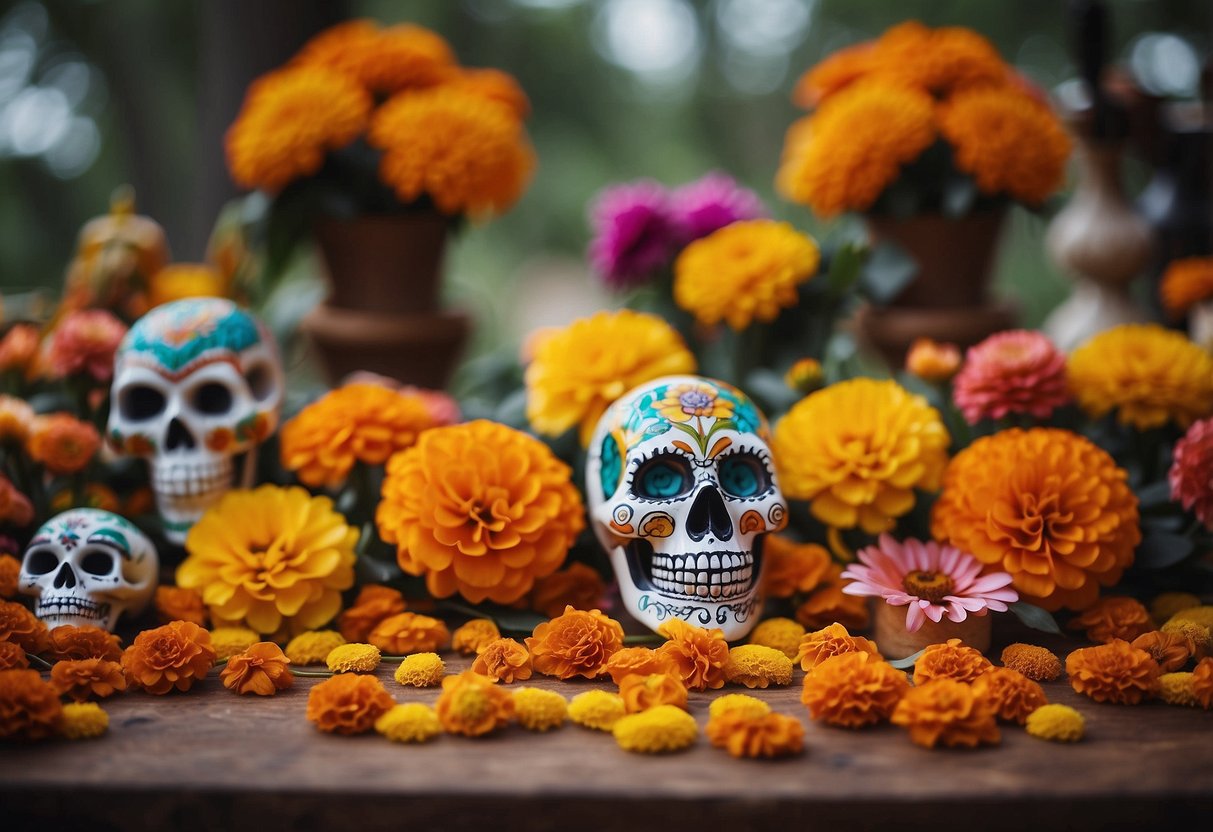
(681, 489)
(197, 383)
(88, 566)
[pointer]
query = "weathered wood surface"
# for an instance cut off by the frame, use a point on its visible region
(213, 760)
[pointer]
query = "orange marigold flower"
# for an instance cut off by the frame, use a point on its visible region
(174, 603)
(1013, 695)
(408, 632)
(16, 419)
(942, 60)
(469, 638)
(83, 679)
(1114, 617)
(261, 669)
(746, 735)
(949, 712)
(356, 423)
(479, 509)
(472, 705)
(85, 642)
(1046, 505)
(62, 443)
(1148, 374)
(373, 604)
(348, 703)
(1034, 662)
(383, 60)
(805, 376)
(792, 567)
(838, 71)
(638, 661)
(29, 706)
(19, 348)
(1114, 672)
(12, 657)
(828, 604)
(933, 362)
(833, 640)
(643, 692)
(1202, 683)
(15, 507)
(853, 689)
(1186, 283)
(179, 281)
(84, 343)
(575, 643)
(579, 586)
(577, 371)
(951, 660)
(503, 660)
(20, 626)
(1170, 650)
(95, 495)
(172, 656)
(843, 157)
(289, 120)
(494, 85)
(466, 152)
(700, 655)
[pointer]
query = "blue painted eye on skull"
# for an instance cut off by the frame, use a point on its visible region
(743, 475)
(663, 477)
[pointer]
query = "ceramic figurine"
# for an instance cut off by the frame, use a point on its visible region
(682, 489)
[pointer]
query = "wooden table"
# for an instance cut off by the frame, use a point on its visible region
(210, 760)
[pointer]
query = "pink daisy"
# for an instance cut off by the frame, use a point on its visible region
(933, 579)
(1013, 372)
(1191, 473)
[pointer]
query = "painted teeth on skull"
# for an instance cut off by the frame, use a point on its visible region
(703, 574)
(180, 479)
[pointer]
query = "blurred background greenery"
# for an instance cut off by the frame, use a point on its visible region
(96, 93)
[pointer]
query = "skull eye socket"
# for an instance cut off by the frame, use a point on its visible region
(260, 381)
(663, 477)
(743, 475)
(140, 402)
(213, 399)
(41, 562)
(97, 563)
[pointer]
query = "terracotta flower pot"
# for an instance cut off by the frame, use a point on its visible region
(889, 632)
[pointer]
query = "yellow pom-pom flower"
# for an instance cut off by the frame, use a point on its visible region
(353, 658)
(857, 450)
(313, 647)
(420, 670)
(1166, 605)
(597, 709)
(1059, 723)
(782, 634)
(537, 709)
(746, 704)
(756, 666)
(411, 722)
(1176, 689)
(82, 721)
(656, 731)
(1202, 615)
(228, 641)
(469, 638)
(750, 269)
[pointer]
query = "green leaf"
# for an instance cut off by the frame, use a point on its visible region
(908, 661)
(887, 271)
(845, 267)
(1035, 617)
(1160, 549)
(508, 620)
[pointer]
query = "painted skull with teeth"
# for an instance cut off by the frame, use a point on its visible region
(197, 383)
(681, 490)
(88, 566)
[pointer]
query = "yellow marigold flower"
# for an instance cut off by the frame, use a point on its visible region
(467, 153)
(313, 647)
(597, 709)
(1166, 605)
(1059, 723)
(656, 731)
(750, 269)
(743, 703)
(537, 709)
(1202, 615)
(1148, 374)
(743, 735)
(932, 361)
(783, 634)
(1036, 663)
(792, 567)
(411, 722)
(470, 637)
(643, 692)
(228, 641)
(842, 157)
(289, 120)
(1186, 283)
(186, 280)
(479, 509)
(834, 640)
(805, 376)
(271, 557)
(1046, 505)
(1177, 689)
(1008, 141)
(579, 370)
(472, 705)
(756, 666)
(353, 658)
(383, 60)
(356, 423)
(857, 450)
(421, 670)
(81, 721)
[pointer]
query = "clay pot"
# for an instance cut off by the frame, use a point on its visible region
(889, 632)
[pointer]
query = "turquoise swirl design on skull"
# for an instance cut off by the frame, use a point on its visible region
(178, 333)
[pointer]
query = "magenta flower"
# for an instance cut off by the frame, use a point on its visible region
(931, 579)
(712, 202)
(634, 233)
(1013, 372)
(1191, 473)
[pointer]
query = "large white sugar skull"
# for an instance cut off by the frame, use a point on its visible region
(88, 566)
(681, 490)
(196, 383)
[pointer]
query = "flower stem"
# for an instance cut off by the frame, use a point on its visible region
(312, 674)
(38, 660)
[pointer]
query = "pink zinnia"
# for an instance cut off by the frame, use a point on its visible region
(712, 202)
(1011, 372)
(933, 579)
(84, 343)
(1191, 473)
(634, 233)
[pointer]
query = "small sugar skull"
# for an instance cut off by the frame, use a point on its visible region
(88, 566)
(196, 383)
(681, 490)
